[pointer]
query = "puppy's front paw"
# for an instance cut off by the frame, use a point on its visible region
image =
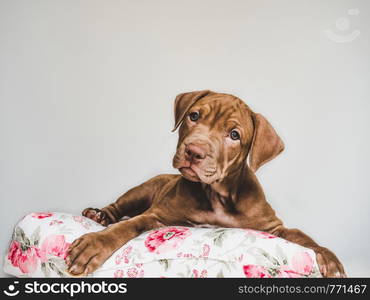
(97, 215)
(329, 264)
(88, 253)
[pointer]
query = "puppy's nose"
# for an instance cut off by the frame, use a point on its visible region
(195, 153)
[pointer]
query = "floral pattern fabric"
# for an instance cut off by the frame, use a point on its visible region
(40, 241)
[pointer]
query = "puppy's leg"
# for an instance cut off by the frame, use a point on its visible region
(329, 264)
(132, 203)
(91, 250)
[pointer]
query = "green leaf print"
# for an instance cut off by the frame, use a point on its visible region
(220, 274)
(218, 236)
(165, 263)
(45, 269)
(20, 237)
(281, 256)
(35, 237)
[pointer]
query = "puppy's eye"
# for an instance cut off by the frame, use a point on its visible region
(234, 135)
(194, 116)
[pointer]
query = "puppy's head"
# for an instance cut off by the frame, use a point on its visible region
(217, 134)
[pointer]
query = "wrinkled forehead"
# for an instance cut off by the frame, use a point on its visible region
(225, 109)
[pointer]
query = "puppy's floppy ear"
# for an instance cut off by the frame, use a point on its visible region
(266, 144)
(183, 102)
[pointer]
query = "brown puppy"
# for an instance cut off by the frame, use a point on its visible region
(221, 144)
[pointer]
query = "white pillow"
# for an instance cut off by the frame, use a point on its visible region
(40, 240)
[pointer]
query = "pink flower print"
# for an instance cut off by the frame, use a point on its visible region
(287, 272)
(41, 215)
(78, 219)
(118, 274)
(166, 239)
(55, 222)
(54, 245)
(26, 260)
(254, 271)
(127, 251)
(14, 253)
(118, 259)
(260, 234)
(83, 221)
(132, 273)
(206, 249)
(124, 256)
(202, 274)
(141, 273)
(137, 272)
(302, 263)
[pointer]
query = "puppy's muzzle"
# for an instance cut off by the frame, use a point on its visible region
(196, 153)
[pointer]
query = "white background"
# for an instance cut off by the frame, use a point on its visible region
(87, 90)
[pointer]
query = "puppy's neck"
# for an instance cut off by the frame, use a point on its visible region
(222, 189)
(227, 187)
